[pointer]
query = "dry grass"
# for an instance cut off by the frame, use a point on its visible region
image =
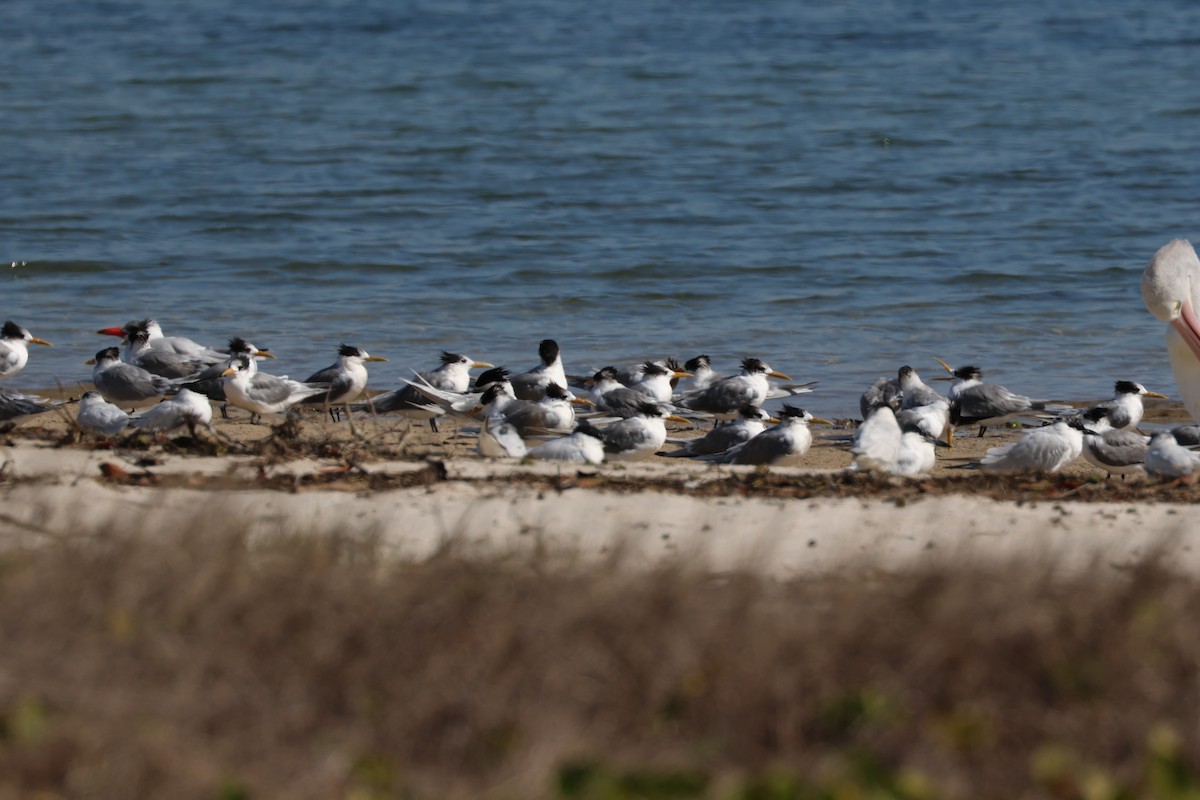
(201, 665)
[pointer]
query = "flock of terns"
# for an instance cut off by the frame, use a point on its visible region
(533, 414)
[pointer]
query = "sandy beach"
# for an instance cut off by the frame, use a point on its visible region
(421, 491)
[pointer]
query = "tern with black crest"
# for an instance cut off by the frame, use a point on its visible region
(532, 385)
(724, 397)
(783, 444)
(124, 384)
(14, 348)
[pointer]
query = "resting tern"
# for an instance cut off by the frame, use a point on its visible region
(532, 385)
(344, 380)
(1045, 449)
(259, 393)
(639, 436)
(174, 344)
(922, 406)
(185, 408)
(1167, 458)
(1187, 435)
(14, 348)
(97, 415)
(163, 362)
(750, 422)
(18, 404)
(882, 444)
(1116, 451)
(613, 397)
(724, 397)
(583, 446)
(434, 393)
(782, 444)
(498, 438)
(656, 381)
(884, 391)
(1125, 410)
(974, 402)
(125, 384)
(553, 413)
(702, 374)
(1171, 292)
(209, 381)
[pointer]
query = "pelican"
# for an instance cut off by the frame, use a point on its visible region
(1171, 291)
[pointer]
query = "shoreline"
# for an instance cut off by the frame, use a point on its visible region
(422, 492)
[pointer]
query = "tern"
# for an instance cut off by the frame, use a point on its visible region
(724, 397)
(18, 404)
(922, 406)
(344, 380)
(702, 374)
(186, 408)
(1167, 458)
(974, 402)
(1187, 435)
(658, 378)
(209, 381)
(434, 393)
(553, 413)
(613, 397)
(1116, 451)
(1171, 292)
(884, 391)
(97, 415)
(750, 422)
(582, 446)
(532, 385)
(782, 444)
(125, 384)
(180, 345)
(1045, 449)
(259, 393)
(166, 363)
(14, 348)
(498, 438)
(639, 436)
(882, 444)
(1125, 410)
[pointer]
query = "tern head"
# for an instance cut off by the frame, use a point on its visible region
(700, 362)
(494, 391)
(605, 374)
(752, 412)
(657, 411)
(351, 353)
(239, 346)
(236, 364)
(754, 366)
(907, 376)
(11, 331)
(795, 415)
(107, 355)
(1131, 388)
(653, 369)
(492, 376)
(548, 351)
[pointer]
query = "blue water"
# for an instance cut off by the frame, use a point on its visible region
(839, 187)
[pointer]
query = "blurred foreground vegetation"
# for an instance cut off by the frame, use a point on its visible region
(204, 665)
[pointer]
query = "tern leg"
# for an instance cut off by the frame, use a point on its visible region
(982, 431)
(433, 424)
